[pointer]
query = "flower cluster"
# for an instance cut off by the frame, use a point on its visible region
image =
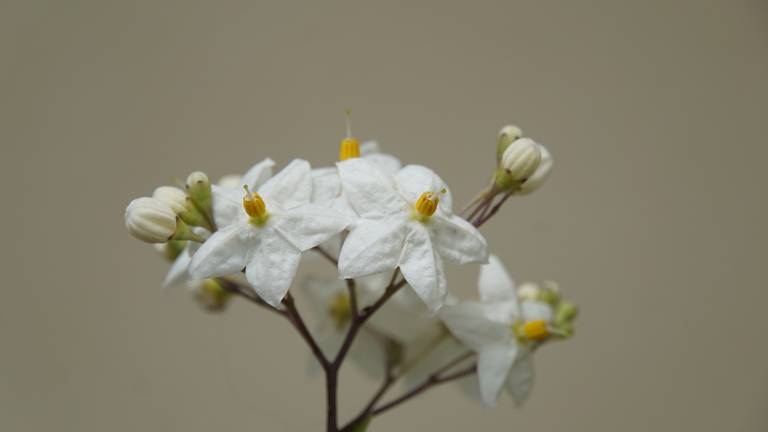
(390, 230)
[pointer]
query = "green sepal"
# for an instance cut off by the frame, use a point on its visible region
(184, 232)
(502, 181)
(565, 313)
(360, 425)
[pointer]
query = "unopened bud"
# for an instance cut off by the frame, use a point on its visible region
(182, 205)
(540, 175)
(199, 191)
(565, 313)
(150, 220)
(212, 296)
(173, 196)
(521, 158)
(507, 135)
(528, 291)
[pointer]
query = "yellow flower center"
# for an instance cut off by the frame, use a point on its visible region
(340, 310)
(254, 206)
(537, 330)
(426, 205)
(349, 148)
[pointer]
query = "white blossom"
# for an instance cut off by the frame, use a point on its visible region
(494, 328)
(405, 222)
(269, 232)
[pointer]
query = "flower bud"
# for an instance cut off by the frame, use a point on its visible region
(150, 220)
(507, 135)
(528, 291)
(540, 175)
(199, 191)
(566, 312)
(211, 295)
(521, 158)
(173, 196)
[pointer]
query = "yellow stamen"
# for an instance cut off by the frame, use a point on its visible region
(254, 206)
(537, 330)
(340, 310)
(350, 146)
(427, 204)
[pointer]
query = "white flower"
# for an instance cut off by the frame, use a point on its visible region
(266, 237)
(327, 190)
(228, 194)
(331, 308)
(501, 331)
(405, 222)
(150, 220)
(224, 211)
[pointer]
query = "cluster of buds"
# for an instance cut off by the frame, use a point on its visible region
(389, 230)
(524, 165)
(171, 212)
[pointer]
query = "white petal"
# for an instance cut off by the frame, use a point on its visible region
(520, 380)
(326, 184)
(388, 164)
(309, 225)
(458, 240)
(477, 325)
(422, 267)
(258, 174)
(495, 283)
(227, 205)
(493, 364)
(272, 267)
(224, 253)
(373, 246)
(291, 187)
(178, 272)
(371, 193)
(414, 180)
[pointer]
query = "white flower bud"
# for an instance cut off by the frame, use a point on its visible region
(150, 220)
(521, 159)
(173, 196)
(528, 291)
(507, 135)
(199, 191)
(540, 175)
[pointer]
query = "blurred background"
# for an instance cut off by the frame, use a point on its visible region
(653, 220)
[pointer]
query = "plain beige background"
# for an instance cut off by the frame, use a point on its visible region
(653, 219)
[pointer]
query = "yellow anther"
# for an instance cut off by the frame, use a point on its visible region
(349, 148)
(340, 310)
(254, 206)
(427, 203)
(537, 330)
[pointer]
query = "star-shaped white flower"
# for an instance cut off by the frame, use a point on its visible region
(494, 328)
(406, 222)
(269, 232)
(224, 212)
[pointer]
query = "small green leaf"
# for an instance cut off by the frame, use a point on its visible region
(359, 426)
